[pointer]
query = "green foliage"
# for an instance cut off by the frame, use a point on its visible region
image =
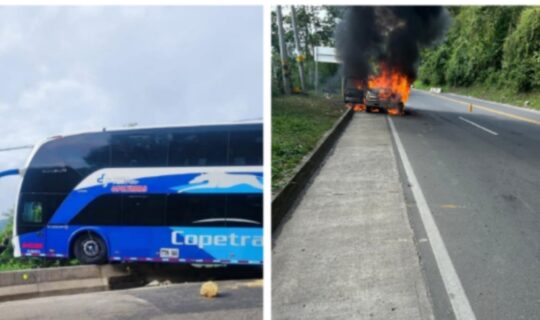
(458, 69)
(475, 48)
(487, 45)
(477, 42)
(298, 122)
(489, 52)
(316, 25)
(521, 61)
(432, 71)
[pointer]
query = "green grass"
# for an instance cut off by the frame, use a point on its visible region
(504, 95)
(420, 85)
(298, 122)
(34, 263)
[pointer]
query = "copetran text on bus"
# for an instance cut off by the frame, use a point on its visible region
(218, 240)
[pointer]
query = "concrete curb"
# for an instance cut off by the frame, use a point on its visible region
(29, 283)
(284, 200)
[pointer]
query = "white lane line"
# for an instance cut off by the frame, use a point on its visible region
(479, 126)
(456, 294)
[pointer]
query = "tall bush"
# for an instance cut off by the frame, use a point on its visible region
(490, 45)
(522, 52)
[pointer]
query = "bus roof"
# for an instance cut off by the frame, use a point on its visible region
(38, 145)
(116, 129)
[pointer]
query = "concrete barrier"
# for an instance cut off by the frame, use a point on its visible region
(435, 90)
(284, 200)
(28, 283)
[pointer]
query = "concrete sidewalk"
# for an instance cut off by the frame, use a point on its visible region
(347, 251)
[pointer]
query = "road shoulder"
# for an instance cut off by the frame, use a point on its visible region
(237, 300)
(348, 249)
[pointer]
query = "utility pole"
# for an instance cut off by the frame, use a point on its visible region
(299, 56)
(313, 31)
(316, 57)
(283, 53)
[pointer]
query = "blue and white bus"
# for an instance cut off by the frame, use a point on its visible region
(174, 194)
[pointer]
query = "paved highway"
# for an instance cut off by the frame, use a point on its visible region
(238, 300)
(479, 172)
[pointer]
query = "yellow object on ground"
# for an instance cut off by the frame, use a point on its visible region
(209, 289)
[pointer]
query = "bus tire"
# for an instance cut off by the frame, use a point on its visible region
(89, 248)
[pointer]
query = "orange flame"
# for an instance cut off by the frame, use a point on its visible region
(356, 106)
(359, 107)
(393, 81)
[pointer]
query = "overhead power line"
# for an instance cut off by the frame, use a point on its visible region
(16, 148)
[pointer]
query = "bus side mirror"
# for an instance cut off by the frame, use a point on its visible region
(10, 172)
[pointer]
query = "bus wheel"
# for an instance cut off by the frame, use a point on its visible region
(89, 248)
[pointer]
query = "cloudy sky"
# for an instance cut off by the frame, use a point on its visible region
(73, 69)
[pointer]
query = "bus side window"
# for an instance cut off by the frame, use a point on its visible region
(245, 210)
(103, 211)
(139, 150)
(246, 147)
(143, 210)
(32, 212)
(201, 210)
(192, 148)
(36, 210)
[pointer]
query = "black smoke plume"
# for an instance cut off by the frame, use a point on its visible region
(392, 36)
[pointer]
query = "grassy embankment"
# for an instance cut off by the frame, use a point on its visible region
(298, 122)
(492, 94)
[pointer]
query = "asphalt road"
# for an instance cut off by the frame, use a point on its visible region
(237, 300)
(480, 174)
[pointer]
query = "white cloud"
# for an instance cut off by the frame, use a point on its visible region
(10, 39)
(70, 69)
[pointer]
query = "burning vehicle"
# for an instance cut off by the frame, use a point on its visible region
(386, 92)
(353, 94)
(383, 99)
(379, 48)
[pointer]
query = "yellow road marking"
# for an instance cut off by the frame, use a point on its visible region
(449, 206)
(250, 284)
(502, 113)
